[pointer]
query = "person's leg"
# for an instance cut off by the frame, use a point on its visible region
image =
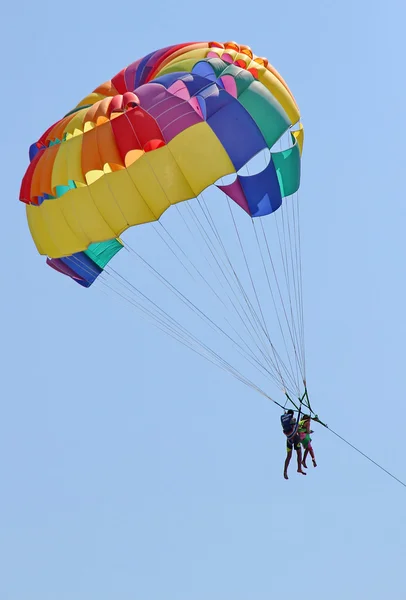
(287, 461)
(289, 447)
(306, 452)
(311, 452)
(298, 449)
(306, 443)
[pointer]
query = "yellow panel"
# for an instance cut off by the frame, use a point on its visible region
(299, 135)
(101, 211)
(106, 199)
(75, 171)
(67, 225)
(67, 163)
(34, 216)
(92, 176)
(90, 99)
(81, 212)
(51, 232)
(132, 156)
(195, 54)
(126, 194)
(76, 122)
(144, 174)
(88, 214)
(200, 156)
(160, 166)
(119, 202)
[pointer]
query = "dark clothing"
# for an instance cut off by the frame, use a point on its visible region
(288, 423)
(290, 428)
(293, 442)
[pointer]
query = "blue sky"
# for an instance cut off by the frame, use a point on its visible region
(130, 467)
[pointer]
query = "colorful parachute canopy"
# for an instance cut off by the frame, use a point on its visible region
(160, 132)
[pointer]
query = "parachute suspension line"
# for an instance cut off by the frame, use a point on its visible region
(272, 296)
(297, 280)
(296, 369)
(239, 296)
(259, 327)
(171, 249)
(263, 324)
(243, 292)
(173, 289)
(153, 316)
(190, 305)
(186, 339)
(149, 163)
(231, 271)
(254, 314)
(283, 248)
(253, 324)
(210, 356)
(289, 201)
(206, 237)
(301, 282)
(284, 256)
(288, 323)
(177, 291)
(249, 350)
(171, 325)
(205, 280)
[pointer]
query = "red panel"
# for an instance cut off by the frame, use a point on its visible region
(25, 190)
(144, 126)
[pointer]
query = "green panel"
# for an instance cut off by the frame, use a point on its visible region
(217, 65)
(266, 111)
(243, 78)
(62, 189)
(78, 109)
(287, 164)
(102, 252)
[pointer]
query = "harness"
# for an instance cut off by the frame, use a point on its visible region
(303, 400)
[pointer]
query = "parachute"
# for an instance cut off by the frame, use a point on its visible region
(182, 122)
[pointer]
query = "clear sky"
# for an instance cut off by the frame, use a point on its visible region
(131, 468)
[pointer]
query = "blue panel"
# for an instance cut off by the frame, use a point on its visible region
(202, 105)
(138, 76)
(170, 78)
(196, 84)
(81, 264)
(34, 149)
(214, 99)
(204, 69)
(235, 128)
(262, 191)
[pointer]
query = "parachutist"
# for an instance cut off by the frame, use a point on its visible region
(290, 429)
(305, 439)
